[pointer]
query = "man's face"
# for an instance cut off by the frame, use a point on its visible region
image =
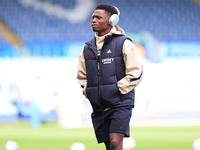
(100, 22)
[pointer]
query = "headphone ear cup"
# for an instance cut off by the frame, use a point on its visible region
(114, 19)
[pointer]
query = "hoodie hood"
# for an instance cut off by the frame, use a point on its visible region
(117, 30)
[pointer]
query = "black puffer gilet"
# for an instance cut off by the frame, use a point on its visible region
(102, 88)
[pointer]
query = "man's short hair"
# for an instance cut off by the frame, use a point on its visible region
(107, 7)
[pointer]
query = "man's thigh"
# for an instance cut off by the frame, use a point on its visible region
(120, 120)
(115, 120)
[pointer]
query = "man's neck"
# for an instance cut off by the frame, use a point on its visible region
(104, 32)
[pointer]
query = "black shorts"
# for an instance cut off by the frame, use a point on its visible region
(115, 120)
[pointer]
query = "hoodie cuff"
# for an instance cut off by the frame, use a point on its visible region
(124, 85)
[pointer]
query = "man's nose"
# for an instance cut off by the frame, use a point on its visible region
(93, 20)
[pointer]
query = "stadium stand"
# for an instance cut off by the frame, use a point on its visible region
(166, 20)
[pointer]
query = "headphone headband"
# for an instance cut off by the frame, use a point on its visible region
(118, 12)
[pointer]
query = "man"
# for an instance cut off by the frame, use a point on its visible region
(109, 69)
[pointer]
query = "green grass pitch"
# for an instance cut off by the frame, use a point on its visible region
(51, 137)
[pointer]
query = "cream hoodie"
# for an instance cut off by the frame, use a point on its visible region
(131, 59)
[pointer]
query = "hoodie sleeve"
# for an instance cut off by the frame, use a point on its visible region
(81, 73)
(134, 71)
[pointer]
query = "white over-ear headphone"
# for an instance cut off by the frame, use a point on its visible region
(114, 19)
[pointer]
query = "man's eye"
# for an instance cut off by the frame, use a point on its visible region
(96, 17)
